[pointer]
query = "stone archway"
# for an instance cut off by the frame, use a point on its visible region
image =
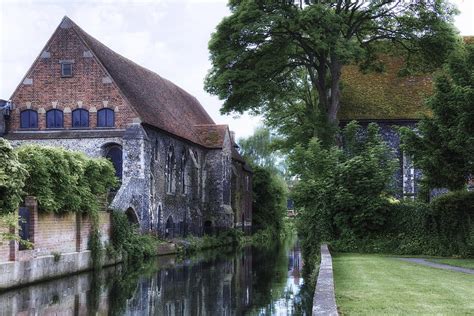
(169, 228)
(132, 216)
(113, 152)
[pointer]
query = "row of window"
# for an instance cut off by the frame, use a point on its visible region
(55, 118)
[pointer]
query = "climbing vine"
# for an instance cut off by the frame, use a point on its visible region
(66, 181)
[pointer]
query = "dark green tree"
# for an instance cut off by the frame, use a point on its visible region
(269, 200)
(284, 58)
(443, 145)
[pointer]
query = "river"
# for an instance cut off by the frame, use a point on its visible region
(245, 281)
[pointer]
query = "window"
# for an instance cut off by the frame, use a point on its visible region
(105, 118)
(183, 172)
(80, 118)
(54, 119)
(29, 119)
(114, 153)
(169, 170)
(66, 69)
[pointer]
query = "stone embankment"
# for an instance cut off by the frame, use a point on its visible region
(324, 300)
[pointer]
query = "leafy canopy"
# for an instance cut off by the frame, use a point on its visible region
(443, 146)
(284, 58)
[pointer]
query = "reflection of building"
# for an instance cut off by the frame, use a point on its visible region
(180, 172)
(215, 287)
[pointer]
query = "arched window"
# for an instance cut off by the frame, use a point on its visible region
(183, 171)
(169, 170)
(114, 154)
(105, 118)
(29, 119)
(80, 118)
(54, 119)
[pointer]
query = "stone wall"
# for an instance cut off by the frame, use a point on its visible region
(242, 195)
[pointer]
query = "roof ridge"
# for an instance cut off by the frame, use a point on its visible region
(156, 100)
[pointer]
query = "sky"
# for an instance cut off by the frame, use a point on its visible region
(167, 37)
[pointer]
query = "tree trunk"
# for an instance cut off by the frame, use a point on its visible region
(334, 104)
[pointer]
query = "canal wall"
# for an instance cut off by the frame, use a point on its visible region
(60, 246)
(324, 300)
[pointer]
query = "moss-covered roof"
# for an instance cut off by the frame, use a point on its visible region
(383, 95)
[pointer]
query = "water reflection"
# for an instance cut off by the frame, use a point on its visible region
(250, 281)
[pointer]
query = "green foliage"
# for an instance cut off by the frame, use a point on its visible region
(284, 60)
(443, 145)
(12, 178)
(342, 193)
(442, 228)
(63, 180)
(127, 240)
(269, 204)
(228, 237)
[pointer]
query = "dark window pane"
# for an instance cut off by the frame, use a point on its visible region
(110, 118)
(25, 119)
(33, 119)
(66, 70)
(84, 118)
(54, 119)
(115, 155)
(105, 118)
(80, 118)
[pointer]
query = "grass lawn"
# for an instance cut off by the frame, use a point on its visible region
(463, 263)
(378, 285)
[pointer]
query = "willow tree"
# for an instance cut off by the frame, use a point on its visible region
(272, 57)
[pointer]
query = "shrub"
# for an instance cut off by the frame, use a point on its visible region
(12, 178)
(127, 240)
(63, 180)
(453, 216)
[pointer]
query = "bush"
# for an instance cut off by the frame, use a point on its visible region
(453, 217)
(63, 180)
(12, 178)
(127, 240)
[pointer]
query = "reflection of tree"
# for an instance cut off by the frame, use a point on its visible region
(270, 271)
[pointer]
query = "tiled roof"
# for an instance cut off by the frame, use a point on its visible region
(211, 135)
(157, 101)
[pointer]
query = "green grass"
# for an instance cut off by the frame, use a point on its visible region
(379, 285)
(463, 263)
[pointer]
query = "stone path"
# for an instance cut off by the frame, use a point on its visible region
(324, 301)
(438, 265)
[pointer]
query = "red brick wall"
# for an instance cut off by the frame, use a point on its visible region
(85, 86)
(56, 233)
(4, 247)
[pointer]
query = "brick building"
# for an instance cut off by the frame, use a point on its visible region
(180, 172)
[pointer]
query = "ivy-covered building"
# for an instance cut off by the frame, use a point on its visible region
(180, 172)
(391, 99)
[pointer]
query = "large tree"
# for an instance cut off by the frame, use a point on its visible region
(443, 145)
(284, 58)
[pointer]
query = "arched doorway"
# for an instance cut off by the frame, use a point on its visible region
(131, 216)
(169, 228)
(208, 228)
(113, 152)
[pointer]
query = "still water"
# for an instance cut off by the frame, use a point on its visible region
(247, 281)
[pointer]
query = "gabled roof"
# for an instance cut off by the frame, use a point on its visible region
(211, 135)
(158, 101)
